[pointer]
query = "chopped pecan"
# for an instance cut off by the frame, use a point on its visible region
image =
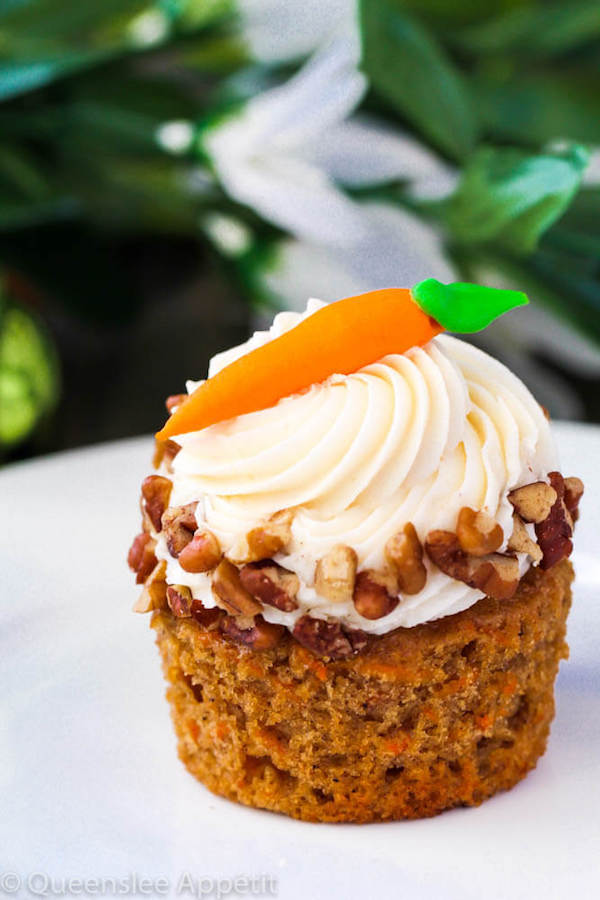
(534, 501)
(371, 597)
(154, 595)
(174, 400)
(141, 558)
(230, 593)
(179, 599)
(209, 618)
(335, 574)
(156, 491)
(178, 525)
(497, 575)
(478, 533)
(261, 636)
(521, 542)
(555, 532)
(201, 554)
(165, 452)
(266, 539)
(329, 639)
(404, 555)
(573, 494)
(272, 584)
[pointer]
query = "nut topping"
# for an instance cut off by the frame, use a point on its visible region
(555, 532)
(165, 451)
(533, 502)
(497, 575)
(478, 533)
(154, 595)
(335, 574)
(156, 491)
(404, 556)
(179, 598)
(174, 400)
(209, 618)
(573, 494)
(371, 597)
(261, 636)
(141, 558)
(230, 594)
(179, 524)
(329, 639)
(201, 554)
(520, 541)
(272, 584)
(266, 539)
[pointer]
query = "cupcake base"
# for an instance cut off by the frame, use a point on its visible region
(424, 719)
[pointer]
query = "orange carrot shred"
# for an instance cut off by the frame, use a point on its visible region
(338, 339)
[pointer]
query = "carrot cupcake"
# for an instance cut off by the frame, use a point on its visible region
(355, 548)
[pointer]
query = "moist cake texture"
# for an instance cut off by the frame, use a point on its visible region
(426, 718)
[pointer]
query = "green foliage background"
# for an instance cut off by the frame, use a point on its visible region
(508, 91)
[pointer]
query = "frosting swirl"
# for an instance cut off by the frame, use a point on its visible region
(410, 438)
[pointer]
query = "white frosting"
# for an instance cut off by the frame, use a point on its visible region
(411, 438)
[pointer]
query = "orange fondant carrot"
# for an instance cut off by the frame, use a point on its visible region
(339, 338)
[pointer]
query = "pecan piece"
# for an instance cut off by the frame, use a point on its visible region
(165, 451)
(497, 575)
(329, 639)
(230, 593)
(261, 636)
(335, 574)
(478, 534)
(154, 595)
(156, 491)
(573, 494)
(404, 556)
(178, 525)
(554, 533)
(179, 599)
(534, 501)
(202, 553)
(371, 597)
(272, 584)
(520, 541)
(209, 618)
(266, 539)
(141, 558)
(174, 400)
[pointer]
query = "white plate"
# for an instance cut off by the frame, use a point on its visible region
(90, 784)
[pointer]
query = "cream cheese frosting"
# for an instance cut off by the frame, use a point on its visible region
(411, 438)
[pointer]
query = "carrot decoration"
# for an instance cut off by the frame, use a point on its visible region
(338, 339)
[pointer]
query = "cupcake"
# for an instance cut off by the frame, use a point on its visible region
(355, 551)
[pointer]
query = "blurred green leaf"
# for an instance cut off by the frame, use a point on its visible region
(407, 67)
(26, 195)
(540, 106)
(535, 29)
(137, 194)
(511, 197)
(28, 374)
(441, 13)
(122, 112)
(583, 214)
(42, 40)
